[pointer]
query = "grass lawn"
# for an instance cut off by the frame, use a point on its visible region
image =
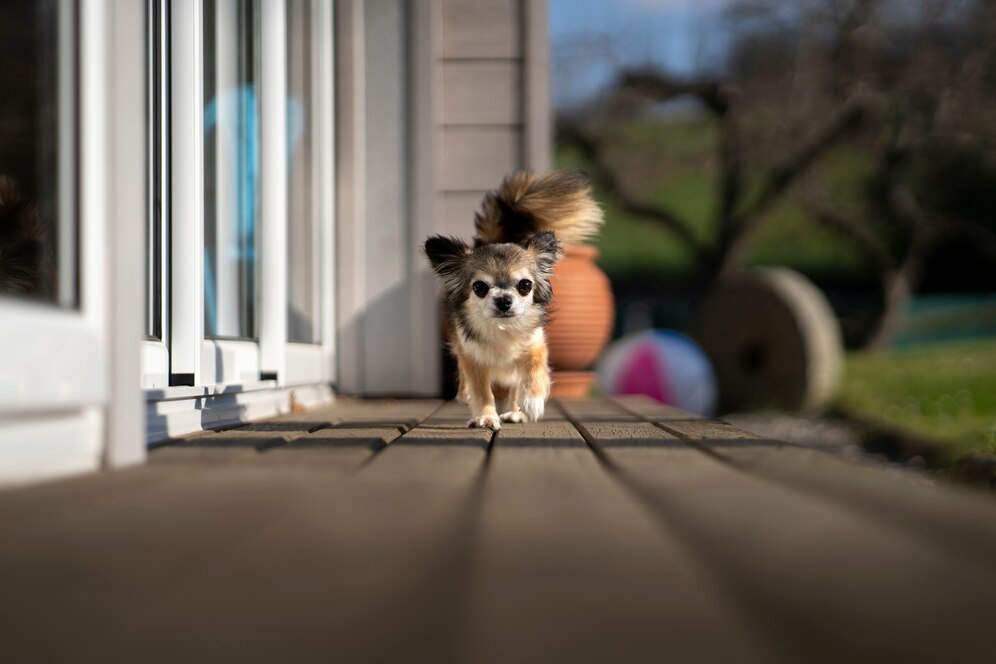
(674, 164)
(945, 390)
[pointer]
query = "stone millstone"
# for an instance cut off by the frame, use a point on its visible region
(773, 340)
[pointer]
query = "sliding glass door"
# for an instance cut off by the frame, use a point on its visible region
(231, 167)
(58, 216)
(247, 205)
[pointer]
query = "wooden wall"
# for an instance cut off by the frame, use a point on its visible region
(436, 101)
(494, 100)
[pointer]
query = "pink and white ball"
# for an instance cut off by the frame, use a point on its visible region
(661, 364)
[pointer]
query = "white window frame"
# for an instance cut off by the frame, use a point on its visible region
(155, 352)
(238, 380)
(196, 360)
(69, 393)
(305, 363)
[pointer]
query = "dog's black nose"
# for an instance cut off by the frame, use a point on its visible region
(503, 302)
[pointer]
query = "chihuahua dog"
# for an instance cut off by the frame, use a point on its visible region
(497, 294)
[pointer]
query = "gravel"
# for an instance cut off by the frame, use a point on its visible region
(834, 437)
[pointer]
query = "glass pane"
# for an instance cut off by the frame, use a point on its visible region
(231, 167)
(303, 240)
(37, 150)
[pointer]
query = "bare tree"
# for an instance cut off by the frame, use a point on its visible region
(904, 80)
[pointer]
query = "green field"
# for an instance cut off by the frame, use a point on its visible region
(945, 391)
(674, 163)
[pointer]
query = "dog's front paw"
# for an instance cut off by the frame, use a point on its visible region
(533, 408)
(513, 416)
(485, 422)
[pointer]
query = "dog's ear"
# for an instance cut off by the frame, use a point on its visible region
(547, 250)
(546, 247)
(445, 253)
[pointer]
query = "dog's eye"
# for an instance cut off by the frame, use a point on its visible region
(524, 287)
(480, 288)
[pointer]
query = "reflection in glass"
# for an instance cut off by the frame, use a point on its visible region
(231, 167)
(37, 150)
(303, 238)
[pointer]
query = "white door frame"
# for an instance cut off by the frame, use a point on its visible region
(155, 351)
(69, 379)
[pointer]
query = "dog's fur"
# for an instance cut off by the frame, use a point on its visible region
(497, 294)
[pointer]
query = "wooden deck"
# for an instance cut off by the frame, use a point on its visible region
(386, 531)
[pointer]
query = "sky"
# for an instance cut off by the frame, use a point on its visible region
(592, 39)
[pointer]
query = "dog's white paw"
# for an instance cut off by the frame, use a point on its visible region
(533, 408)
(485, 422)
(512, 416)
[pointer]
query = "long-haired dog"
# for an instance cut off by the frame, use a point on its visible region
(497, 294)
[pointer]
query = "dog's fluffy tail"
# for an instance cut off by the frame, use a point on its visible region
(528, 203)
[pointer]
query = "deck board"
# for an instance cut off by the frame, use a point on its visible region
(387, 530)
(380, 551)
(568, 567)
(779, 549)
(340, 440)
(953, 518)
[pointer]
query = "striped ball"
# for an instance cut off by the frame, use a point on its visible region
(661, 364)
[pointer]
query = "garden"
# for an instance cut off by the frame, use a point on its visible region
(851, 142)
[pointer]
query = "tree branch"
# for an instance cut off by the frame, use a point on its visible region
(746, 218)
(605, 178)
(715, 96)
(718, 99)
(858, 233)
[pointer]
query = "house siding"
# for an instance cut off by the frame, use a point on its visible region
(487, 55)
(475, 107)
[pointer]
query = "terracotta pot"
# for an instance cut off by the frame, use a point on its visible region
(572, 384)
(583, 310)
